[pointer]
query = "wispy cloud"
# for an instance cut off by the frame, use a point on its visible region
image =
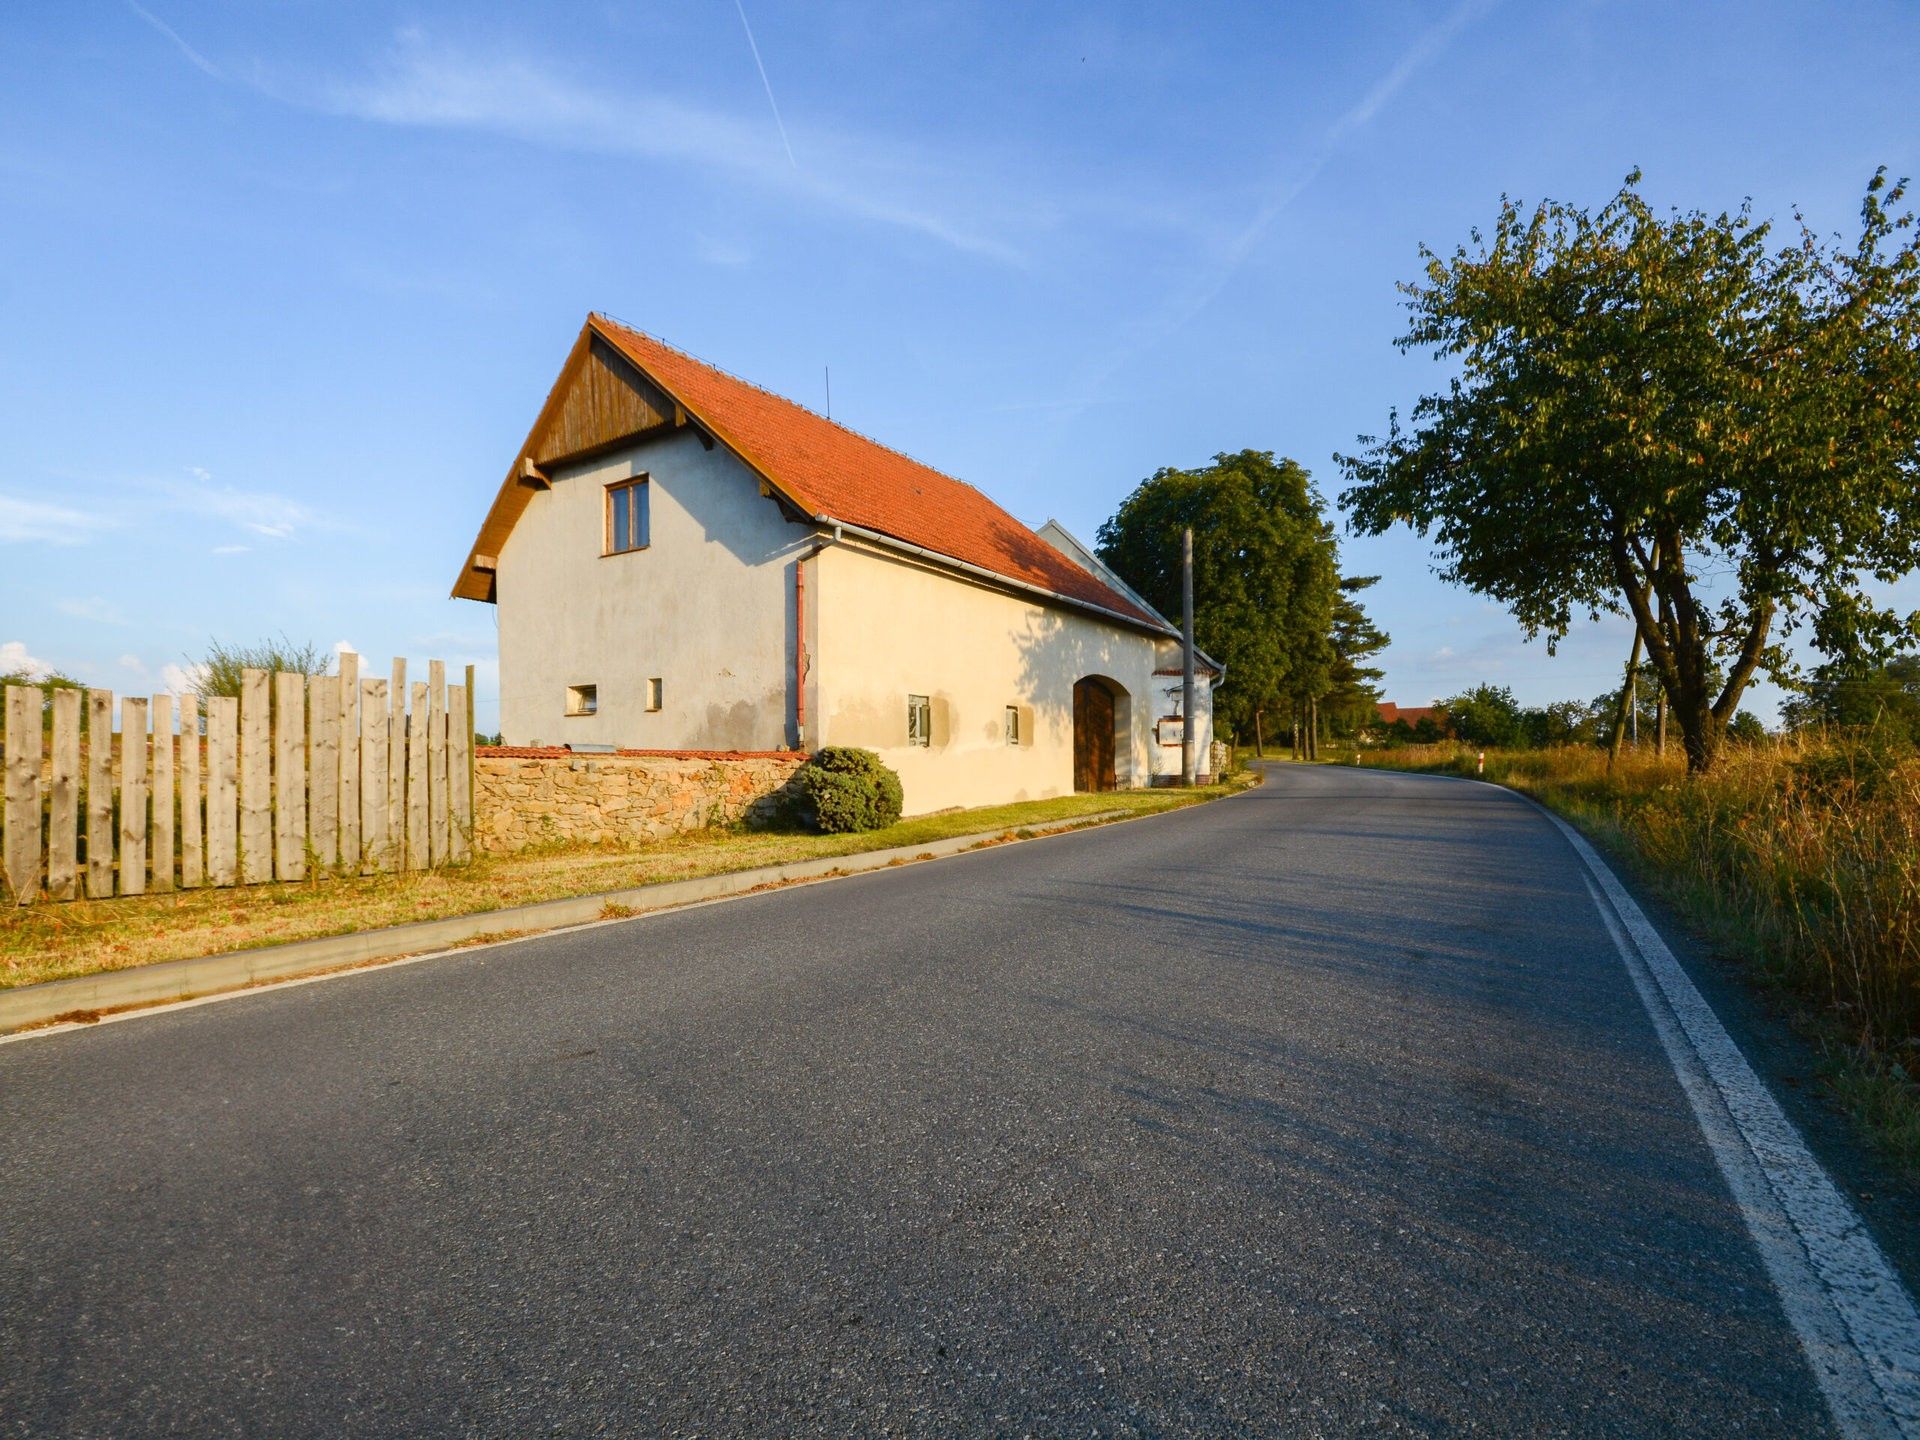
(92, 608)
(193, 57)
(182, 679)
(230, 550)
(421, 84)
(34, 522)
(257, 512)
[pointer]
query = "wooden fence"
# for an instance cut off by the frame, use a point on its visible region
(299, 775)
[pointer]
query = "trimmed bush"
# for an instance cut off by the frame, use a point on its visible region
(848, 789)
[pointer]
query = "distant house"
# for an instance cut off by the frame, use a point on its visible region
(1411, 716)
(683, 561)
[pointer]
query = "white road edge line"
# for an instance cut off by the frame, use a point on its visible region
(1853, 1317)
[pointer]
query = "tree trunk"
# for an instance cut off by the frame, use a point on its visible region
(1259, 742)
(1660, 722)
(1620, 710)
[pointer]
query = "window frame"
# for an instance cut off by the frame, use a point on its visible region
(589, 696)
(656, 694)
(630, 484)
(920, 721)
(1012, 724)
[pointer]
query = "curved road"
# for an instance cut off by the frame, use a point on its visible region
(1326, 1109)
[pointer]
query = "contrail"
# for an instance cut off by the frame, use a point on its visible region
(773, 104)
(199, 61)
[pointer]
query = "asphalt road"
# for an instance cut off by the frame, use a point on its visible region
(1327, 1109)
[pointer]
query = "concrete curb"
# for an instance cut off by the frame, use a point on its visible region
(174, 980)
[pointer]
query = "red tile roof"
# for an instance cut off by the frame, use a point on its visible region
(1412, 714)
(831, 471)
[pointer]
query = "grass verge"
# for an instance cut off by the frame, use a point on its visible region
(1800, 860)
(53, 942)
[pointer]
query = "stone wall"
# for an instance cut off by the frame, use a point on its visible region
(525, 796)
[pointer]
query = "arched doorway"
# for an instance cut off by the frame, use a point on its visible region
(1095, 731)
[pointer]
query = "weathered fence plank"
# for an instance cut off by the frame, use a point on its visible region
(256, 778)
(162, 813)
(192, 851)
(223, 746)
(133, 796)
(417, 778)
(323, 769)
(162, 828)
(437, 761)
(397, 765)
(459, 775)
(23, 793)
(374, 844)
(99, 794)
(349, 762)
(289, 776)
(63, 803)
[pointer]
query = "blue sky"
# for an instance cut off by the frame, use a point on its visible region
(283, 286)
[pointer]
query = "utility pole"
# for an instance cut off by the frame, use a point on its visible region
(1186, 658)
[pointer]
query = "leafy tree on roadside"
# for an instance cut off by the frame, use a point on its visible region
(1486, 715)
(1666, 417)
(1353, 693)
(1264, 572)
(1746, 729)
(1882, 696)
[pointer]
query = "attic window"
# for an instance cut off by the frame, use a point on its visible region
(627, 526)
(583, 699)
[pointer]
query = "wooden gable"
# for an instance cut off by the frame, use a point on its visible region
(604, 401)
(600, 401)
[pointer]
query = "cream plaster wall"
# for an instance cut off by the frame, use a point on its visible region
(888, 628)
(707, 607)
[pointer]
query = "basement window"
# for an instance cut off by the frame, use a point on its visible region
(919, 720)
(583, 699)
(1013, 724)
(627, 524)
(654, 691)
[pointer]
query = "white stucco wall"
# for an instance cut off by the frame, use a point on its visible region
(707, 607)
(887, 628)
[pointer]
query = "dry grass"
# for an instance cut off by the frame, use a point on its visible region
(1803, 859)
(51, 942)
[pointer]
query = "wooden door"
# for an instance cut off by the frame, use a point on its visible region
(1092, 736)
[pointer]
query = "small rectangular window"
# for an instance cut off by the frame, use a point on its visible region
(919, 720)
(627, 525)
(654, 689)
(583, 699)
(1013, 724)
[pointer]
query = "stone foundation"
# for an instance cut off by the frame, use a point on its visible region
(525, 797)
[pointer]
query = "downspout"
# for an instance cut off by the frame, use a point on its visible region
(801, 660)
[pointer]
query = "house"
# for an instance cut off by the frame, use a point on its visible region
(1412, 715)
(682, 561)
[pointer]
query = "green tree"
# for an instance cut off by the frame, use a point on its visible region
(1486, 715)
(46, 682)
(1853, 694)
(1264, 572)
(1353, 694)
(1667, 417)
(218, 671)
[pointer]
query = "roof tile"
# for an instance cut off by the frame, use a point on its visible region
(844, 476)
